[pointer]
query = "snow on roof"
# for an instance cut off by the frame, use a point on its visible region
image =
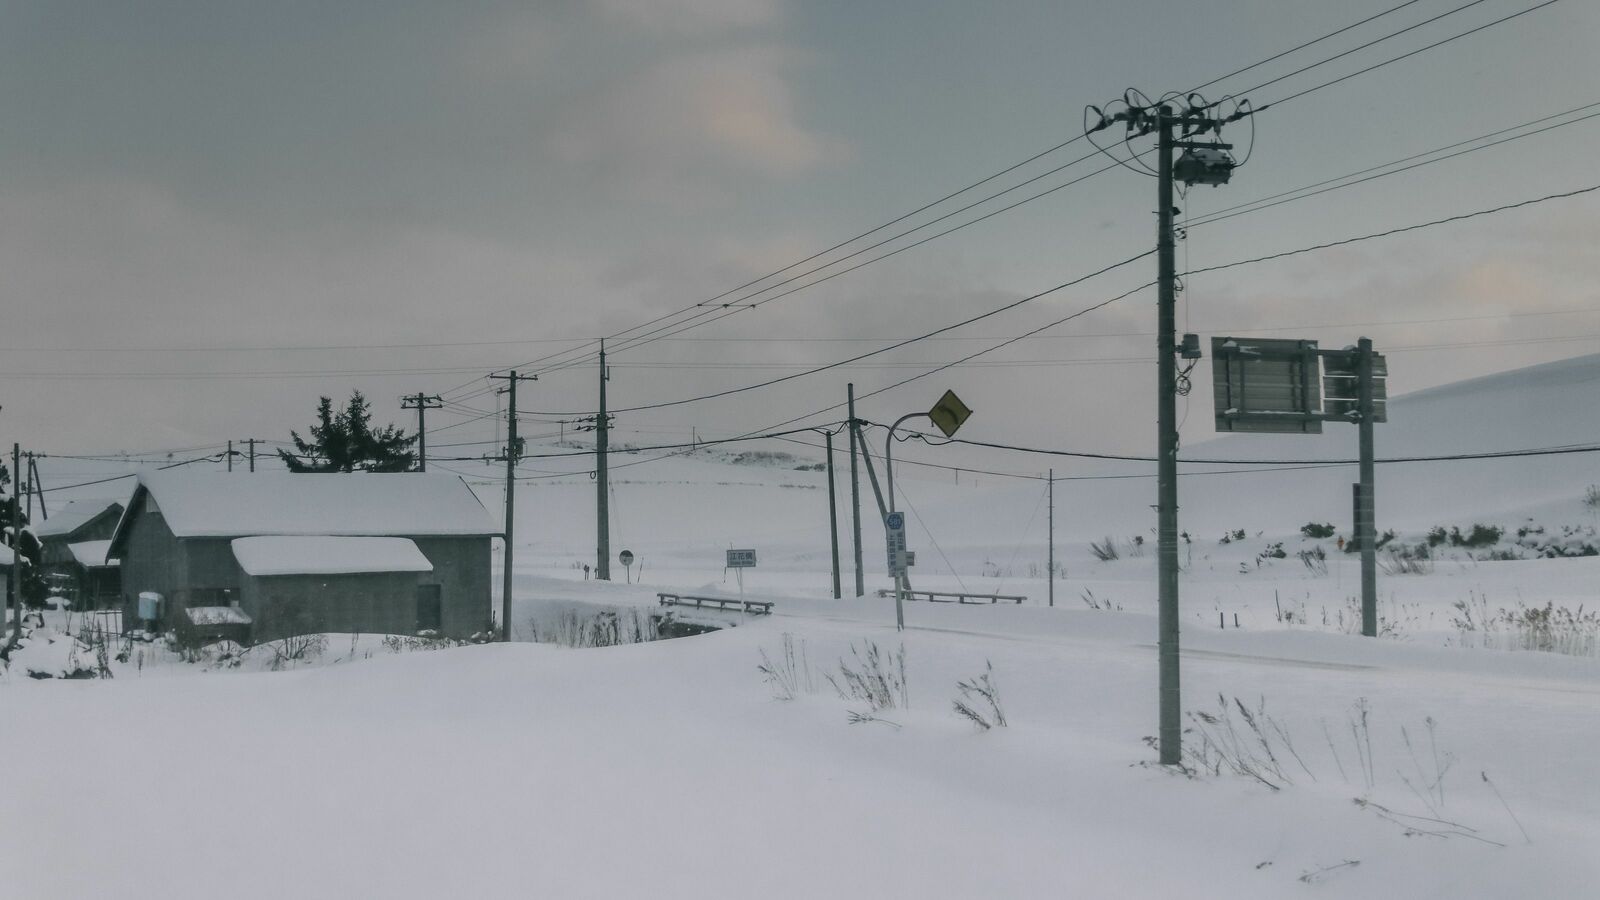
(327, 555)
(218, 504)
(217, 615)
(91, 554)
(72, 516)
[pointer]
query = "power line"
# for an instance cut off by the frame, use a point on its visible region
(1394, 231)
(554, 362)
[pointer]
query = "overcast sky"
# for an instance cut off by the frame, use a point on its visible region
(219, 189)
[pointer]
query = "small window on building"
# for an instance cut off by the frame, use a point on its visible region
(430, 607)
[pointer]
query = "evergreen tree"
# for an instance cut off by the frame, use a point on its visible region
(345, 441)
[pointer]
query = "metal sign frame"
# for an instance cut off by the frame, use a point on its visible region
(1266, 385)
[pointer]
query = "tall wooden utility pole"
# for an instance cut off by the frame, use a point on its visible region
(855, 491)
(602, 480)
(1050, 563)
(230, 456)
(251, 455)
(1366, 519)
(512, 454)
(14, 581)
(833, 518)
(1202, 163)
(38, 488)
(421, 403)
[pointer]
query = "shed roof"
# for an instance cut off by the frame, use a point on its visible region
(327, 555)
(92, 554)
(218, 504)
(72, 516)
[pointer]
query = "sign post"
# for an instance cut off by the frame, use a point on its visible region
(626, 558)
(1272, 385)
(947, 415)
(738, 561)
(894, 530)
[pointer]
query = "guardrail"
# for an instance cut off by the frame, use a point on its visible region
(753, 607)
(956, 596)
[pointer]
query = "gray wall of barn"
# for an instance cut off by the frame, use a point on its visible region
(374, 603)
(152, 559)
(461, 569)
(194, 572)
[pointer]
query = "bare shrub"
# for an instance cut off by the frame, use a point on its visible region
(1105, 550)
(1093, 602)
(790, 674)
(1315, 560)
(1406, 561)
(872, 677)
(978, 700)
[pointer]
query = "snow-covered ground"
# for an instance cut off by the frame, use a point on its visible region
(1452, 757)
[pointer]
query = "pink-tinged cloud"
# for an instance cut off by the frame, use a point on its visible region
(699, 115)
(689, 17)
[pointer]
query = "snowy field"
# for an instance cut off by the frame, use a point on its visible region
(1451, 757)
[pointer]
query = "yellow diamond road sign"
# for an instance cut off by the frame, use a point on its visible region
(949, 413)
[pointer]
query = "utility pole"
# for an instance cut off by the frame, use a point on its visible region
(1171, 715)
(1366, 524)
(38, 488)
(833, 518)
(28, 485)
(14, 581)
(512, 454)
(251, 443)
(1202, 163)
(855, 490)
(230, 456)
(602, 480)
(1050, 563)
(421, 403)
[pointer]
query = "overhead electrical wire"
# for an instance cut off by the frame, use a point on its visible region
(702, 304)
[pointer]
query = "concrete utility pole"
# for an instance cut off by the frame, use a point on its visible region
(230, 456)
(602, 480)
(855, 491)
(1202, 163)
(421, 403)
(1050, 563)
(833, 518)
(250, 453)
(14, 580)
(512, 454)
(38, 488)
(1171, 717)
(1366, 507)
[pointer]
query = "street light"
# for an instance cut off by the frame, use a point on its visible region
(947, 415)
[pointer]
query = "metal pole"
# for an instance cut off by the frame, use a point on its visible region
(421, 403)
(14, 581)
(602, 480)
(888, 483)
(833, 519)
(855, 493)
(38, 487)
(1050, 564)
(1171, 715)
(421, 434)
(511, 518)
(1366, 509)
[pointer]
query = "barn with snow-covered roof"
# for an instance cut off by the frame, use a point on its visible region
(267, 555)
